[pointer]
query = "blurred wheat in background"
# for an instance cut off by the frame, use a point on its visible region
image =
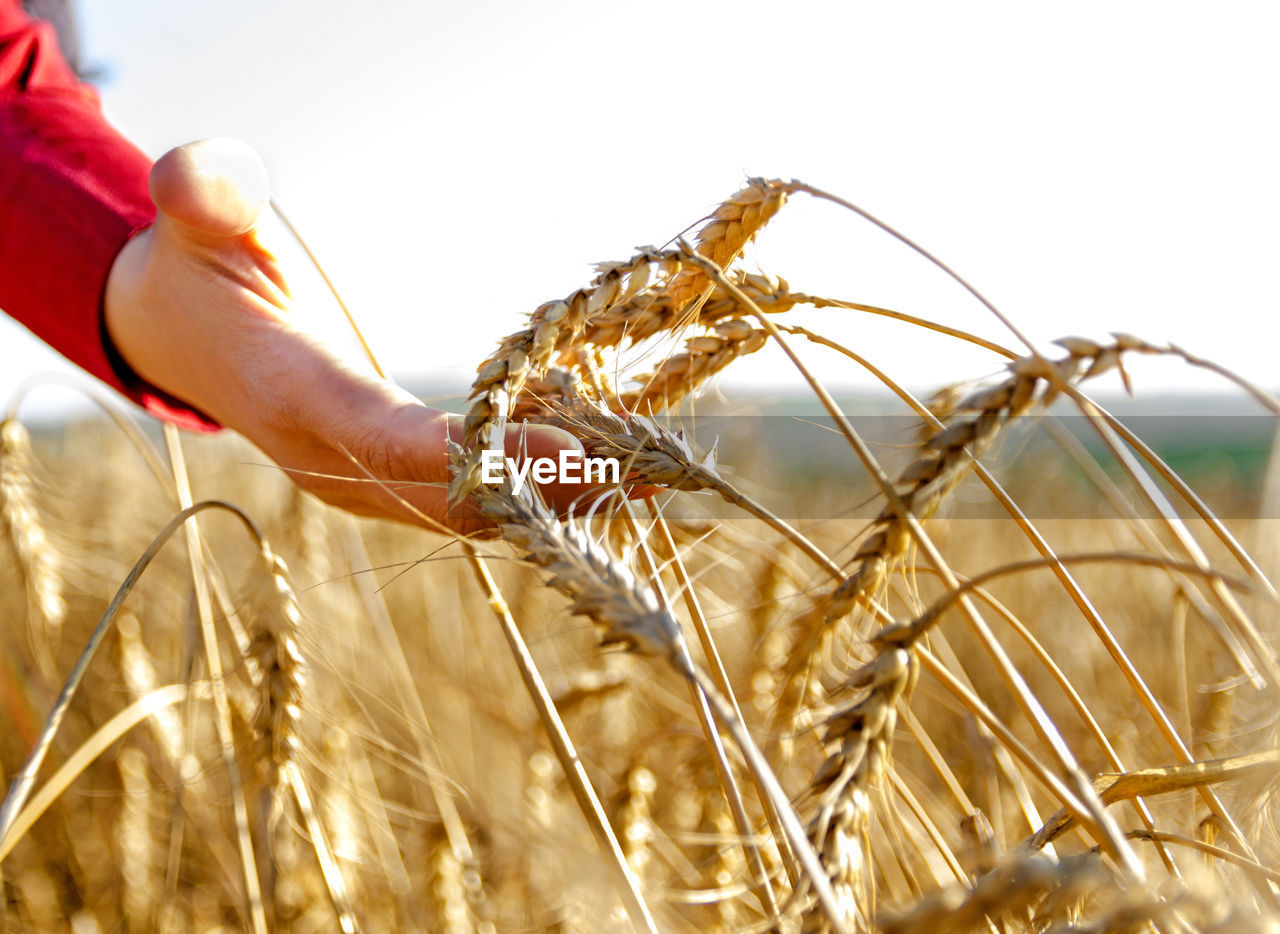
(866, 709)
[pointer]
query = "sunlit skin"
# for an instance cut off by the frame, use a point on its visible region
(198, 306)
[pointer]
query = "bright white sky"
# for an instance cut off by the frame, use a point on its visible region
(1091, 167)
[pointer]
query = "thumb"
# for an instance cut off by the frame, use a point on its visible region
(212, 187)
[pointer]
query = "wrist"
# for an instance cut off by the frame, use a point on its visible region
(117, 326)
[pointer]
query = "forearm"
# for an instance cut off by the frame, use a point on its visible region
(72, 192)
(196, 302)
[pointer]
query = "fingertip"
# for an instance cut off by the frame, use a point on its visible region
(212, 186)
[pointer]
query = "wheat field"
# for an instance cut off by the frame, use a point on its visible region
(867, 705)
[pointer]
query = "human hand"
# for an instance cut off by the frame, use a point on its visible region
(197, 306)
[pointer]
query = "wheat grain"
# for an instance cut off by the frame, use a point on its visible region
(136, 842)
(731, 227)
(637, 819)
(727, 866)
(947, 455)
(449, 891)
(600, 587)
(37, 557)
(528, 353)
(652, 454)
(654, 310)
(628, 613)
(862, 734)
(272, 619)
(683, 374)
(678, 835)
(554, 326)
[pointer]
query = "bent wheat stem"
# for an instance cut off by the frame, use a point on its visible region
(627, 884)
(23, 781)
(724, 770)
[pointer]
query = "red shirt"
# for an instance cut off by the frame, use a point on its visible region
(72, 192)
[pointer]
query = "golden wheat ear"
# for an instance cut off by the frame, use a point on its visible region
(11, 812)
(272, 617)
(38, 560)
(908, 721)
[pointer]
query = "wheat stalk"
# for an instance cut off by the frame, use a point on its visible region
(879, 836)
(947, 455)
(706, 720)
(949, 401)
(273, 619)
(1100, 822)
(978, 419)
(628, 613)
(653, 454)
(22, 783)
(601, 588)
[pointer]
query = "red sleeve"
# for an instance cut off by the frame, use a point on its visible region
(72, 192)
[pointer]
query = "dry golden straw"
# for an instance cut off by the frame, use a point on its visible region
(885, 726)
